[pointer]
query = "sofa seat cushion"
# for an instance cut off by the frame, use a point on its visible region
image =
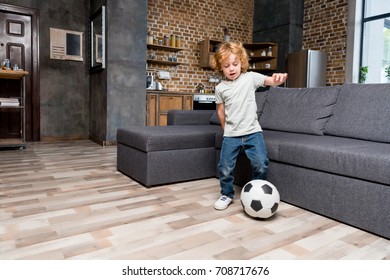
(163, 138)
(344, 156)
(362, 112)
(300, 110)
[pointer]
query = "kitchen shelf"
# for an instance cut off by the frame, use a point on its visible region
(21, 141)
(165, 48)
(164, 62)
(11, 107)
(260, 61)
(208, 46)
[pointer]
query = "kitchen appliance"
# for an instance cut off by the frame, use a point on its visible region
(149, 81)
(157, 86)
(204, 102)
(306, 68)
(151, 84)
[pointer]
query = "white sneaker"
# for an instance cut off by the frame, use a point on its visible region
(223, 202)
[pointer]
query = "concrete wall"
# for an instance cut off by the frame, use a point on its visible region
(77, 104)
(280, 22)
(64, 85)
(118, 93)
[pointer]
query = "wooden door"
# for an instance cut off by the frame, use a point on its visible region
(19, 43)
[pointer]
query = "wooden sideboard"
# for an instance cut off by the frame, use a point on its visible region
(159, 103)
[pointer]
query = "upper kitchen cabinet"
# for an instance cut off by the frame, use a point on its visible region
(207, 50)
(263, 57)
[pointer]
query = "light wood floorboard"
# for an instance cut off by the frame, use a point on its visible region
(66, 200)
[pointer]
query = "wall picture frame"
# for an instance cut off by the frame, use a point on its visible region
(97, 40)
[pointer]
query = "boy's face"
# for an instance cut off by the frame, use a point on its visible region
(231, 67)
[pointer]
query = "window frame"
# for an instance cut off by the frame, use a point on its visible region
(364, 21)
(355, 31)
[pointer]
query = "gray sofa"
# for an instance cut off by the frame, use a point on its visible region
(329, 150)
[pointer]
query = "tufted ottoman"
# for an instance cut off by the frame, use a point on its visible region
(155, 155)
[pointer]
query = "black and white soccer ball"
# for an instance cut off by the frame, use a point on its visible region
(260, 199)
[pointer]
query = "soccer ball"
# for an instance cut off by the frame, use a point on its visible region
(260, 199)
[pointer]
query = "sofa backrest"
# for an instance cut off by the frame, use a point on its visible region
(260, 101)
(301, 110)
(362, 111)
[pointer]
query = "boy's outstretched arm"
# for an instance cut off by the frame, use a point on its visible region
(275, 80)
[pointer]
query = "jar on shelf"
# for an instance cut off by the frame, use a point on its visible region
(173, 40)
(6, 64)
(166, 40)
(269, 53)
(178, 42)
(150, 38)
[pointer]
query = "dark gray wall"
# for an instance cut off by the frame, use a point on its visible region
(280, 22)
(98, 94)
(64, 85)
(118, 93)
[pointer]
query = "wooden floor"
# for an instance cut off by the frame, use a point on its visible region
(68, 201)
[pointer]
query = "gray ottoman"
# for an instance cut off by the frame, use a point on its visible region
(166, 154)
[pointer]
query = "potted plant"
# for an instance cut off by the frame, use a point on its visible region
(387, 72)
(363, 74)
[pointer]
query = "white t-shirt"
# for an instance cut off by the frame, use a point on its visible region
(238, 96)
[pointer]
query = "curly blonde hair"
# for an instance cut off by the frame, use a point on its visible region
(224, 50)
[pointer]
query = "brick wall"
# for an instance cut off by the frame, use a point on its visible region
(325, 29)
(193, 21)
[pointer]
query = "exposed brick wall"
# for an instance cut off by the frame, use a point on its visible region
(193, 21)
(325, 29)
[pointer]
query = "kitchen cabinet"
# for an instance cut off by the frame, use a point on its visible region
(207, 50)
(158, 105)
(263, 56)
(10, 104)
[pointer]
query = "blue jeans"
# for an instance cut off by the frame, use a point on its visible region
(254, 147)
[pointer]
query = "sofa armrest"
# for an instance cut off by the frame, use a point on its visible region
(195, 117)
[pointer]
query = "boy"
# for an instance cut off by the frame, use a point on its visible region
(236, 109)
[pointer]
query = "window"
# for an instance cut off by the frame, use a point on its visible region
(375, 42)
